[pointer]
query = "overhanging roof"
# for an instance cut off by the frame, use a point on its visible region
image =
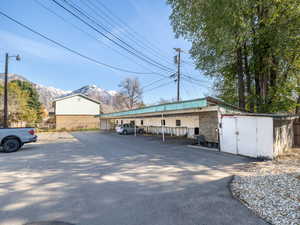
(170, 107)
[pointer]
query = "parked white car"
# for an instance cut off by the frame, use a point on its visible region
(12, 139)
(128, 128)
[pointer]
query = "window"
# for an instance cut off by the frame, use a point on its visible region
(178, 123)
(121, 122)
(196, 130)
(163, 122)
(117, 121)
(142, 122)
(132, 122)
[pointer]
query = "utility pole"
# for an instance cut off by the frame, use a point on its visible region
(5, 110)
(178, 61)
(5, 102)
(162, 127)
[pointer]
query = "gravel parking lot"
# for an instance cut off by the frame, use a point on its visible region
(93, 178)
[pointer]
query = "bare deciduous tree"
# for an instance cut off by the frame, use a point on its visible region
(131, 92)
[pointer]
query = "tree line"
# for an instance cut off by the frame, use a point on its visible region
(251, 48)
(23, 103)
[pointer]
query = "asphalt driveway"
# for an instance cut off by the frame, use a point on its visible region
(92, 178)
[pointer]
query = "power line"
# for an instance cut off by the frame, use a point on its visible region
(162, 85)
(154, 82)
(142, 38)
(188, 63)
(196, 84)
(112, 22)
(186, 91)
(194, 79)
(198, 87)
(89, 35)
(69, 49)
(81, 11)
(112, 48)
(143, 57)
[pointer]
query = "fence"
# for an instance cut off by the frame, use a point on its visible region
(172, 131)
(36, 125)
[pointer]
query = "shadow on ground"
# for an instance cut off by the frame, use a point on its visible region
(112, 179)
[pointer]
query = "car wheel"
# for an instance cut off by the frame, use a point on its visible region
(124, 132)
(141, 131)
(11, 145)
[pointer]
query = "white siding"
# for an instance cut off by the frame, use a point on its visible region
(186, 121)
(76, 105)
(206, 122)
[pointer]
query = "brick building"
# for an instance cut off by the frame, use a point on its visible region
(76, 112)
(185, 118)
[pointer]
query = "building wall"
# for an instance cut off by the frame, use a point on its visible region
(208, 125)
(76, 105)
(72, 122)
(283, 135)
(207, 122)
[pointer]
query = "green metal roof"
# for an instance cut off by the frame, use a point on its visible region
(196, 103)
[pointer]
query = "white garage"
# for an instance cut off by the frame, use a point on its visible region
(256, 135)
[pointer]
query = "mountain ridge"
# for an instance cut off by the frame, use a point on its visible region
(47, 94)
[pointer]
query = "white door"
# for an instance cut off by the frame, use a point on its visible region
(103, 124)
(228, 138)
(246, 135)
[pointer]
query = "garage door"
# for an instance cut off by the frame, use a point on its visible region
(228, 139)
(247, 135)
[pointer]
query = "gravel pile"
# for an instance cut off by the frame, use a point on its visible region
(271, 190)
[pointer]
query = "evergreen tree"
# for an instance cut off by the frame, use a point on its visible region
(33, 102)
(23, 103)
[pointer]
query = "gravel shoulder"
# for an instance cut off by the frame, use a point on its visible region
(271, 189)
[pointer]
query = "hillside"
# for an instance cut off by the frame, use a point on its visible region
(108, 98)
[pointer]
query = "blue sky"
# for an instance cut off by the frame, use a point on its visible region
(47, 64)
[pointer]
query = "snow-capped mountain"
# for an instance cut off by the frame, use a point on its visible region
(48, 94)
(96, 93)
(108, 98)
